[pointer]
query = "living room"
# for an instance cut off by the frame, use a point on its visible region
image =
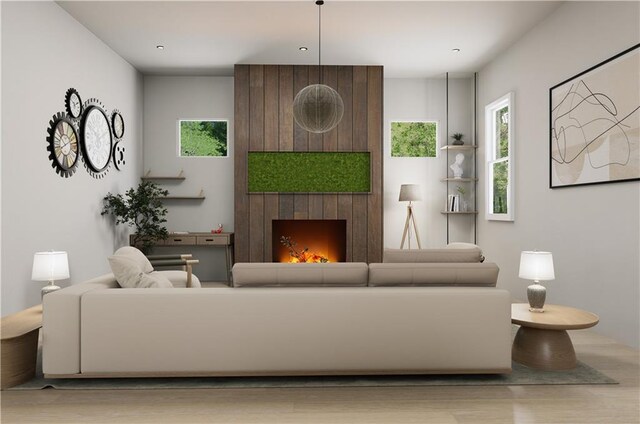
(405, 54)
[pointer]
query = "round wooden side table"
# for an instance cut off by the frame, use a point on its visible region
(542, 341)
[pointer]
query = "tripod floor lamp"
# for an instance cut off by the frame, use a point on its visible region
(409, 193)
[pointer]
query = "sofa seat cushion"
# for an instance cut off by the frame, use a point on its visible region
(435, 274)
(179, 278)
(447, 255)
(340, 274)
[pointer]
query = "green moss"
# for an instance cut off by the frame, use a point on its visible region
(309, 172)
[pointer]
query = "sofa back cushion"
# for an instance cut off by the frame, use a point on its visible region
(447, 255)
(434, 274)
(339, 274)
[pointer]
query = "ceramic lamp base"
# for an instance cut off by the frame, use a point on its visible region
(536, 293)
(49, 288)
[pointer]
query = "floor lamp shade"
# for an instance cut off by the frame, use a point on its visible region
(409, 193)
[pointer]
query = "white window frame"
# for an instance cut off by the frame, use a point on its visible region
(490, 142)
(179, 137)
(422, 121)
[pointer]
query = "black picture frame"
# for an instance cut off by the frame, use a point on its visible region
(591, 112)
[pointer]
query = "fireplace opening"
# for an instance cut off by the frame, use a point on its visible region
(309, 240)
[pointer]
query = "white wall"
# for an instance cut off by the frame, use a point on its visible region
(593, 231)
(45, 52)
(425, 100)
(166, 100)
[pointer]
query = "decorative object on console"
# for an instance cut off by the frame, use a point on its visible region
(50, 266)
(218, 230)
(118, 155)
(63, 145)
(456, 166)
(594, 121)
(457, 139)
(318, 108)
(141, 208)
(536, 266)
(410, 193)
(73, 103)
(96, 139)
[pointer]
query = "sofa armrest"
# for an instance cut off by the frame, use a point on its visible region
(61, 325)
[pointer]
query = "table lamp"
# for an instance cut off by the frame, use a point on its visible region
(536, 266)
(50, 266)
(409, 193)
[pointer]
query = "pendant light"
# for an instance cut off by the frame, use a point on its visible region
(318, 108)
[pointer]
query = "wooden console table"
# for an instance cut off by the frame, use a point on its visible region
(19, 346)
(200, 240)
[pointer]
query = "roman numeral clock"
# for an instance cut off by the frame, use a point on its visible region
(84, 130)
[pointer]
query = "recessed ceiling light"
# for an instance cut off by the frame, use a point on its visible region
(160, 47)
(455, 50)
(303, 49)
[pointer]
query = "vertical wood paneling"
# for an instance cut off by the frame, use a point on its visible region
(241, 144)
(345, 144)
(271, 143)
(285, 116)
(360, 144)
(300, 142)
(256, 143)
(330, 144)
(264, 122)
(375, 147)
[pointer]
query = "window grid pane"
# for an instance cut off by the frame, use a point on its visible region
(501, 134)
(203, 138)
(414, 139)
(500, 177)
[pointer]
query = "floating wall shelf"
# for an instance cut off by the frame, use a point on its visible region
(459, 180)
(199, 196)
(463, 147)
(461, 212)
(178, 177)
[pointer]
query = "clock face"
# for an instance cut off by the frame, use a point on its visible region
(96, 139)
(73, 103)
(118, 124)
(63, 145)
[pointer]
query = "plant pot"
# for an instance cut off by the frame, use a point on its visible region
(457, 142)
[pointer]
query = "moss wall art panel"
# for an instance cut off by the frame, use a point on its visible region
(309, 172)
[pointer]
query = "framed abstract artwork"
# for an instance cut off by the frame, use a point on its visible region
(595, 124)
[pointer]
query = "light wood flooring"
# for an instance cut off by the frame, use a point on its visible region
(603, 404)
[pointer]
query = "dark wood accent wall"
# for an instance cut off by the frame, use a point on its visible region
(264, 122)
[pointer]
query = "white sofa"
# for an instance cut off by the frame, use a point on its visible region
(95, 329)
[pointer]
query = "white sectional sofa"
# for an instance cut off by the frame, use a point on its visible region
(339, 325)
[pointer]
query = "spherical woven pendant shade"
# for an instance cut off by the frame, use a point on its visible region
(318, 108)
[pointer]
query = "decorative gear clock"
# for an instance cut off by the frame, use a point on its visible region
(73, 103)
(96, 140)
(63, 145)
(117, 123)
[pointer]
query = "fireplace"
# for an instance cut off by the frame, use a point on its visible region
(309, 240)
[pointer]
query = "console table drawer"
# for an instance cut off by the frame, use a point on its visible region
(180, 240)
(214, 239)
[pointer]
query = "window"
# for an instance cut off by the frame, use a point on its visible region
(199, 138)
(499, 170)
(414, 139)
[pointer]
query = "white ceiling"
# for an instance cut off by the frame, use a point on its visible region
(410, 39)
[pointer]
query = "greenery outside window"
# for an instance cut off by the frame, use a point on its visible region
(202, 138)
(415, 139)
(499, 132)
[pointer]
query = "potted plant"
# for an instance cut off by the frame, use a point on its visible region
(457, 139)
(141, 208)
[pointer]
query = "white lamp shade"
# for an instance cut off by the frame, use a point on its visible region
(536, 266)
(409, 193)
(50, 266)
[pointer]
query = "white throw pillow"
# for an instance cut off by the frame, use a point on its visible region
(129, 275)
(136, 255)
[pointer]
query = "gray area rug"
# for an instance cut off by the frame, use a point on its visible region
(521, 375)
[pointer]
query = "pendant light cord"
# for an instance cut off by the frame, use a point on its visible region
(319, 3)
